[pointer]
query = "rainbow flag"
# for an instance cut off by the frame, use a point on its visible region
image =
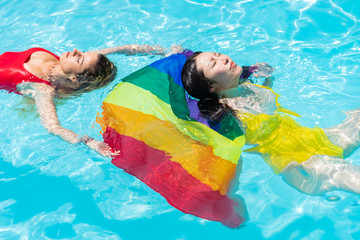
(167, 145)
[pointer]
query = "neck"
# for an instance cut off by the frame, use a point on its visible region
(231, 93)
(55, 72)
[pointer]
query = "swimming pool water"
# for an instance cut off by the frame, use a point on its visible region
(53, 190)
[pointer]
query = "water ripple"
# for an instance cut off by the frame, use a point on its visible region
(314, 46)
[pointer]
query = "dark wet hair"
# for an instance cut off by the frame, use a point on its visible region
(198, 86)
(97, 76)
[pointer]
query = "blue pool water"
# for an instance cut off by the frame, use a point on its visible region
(53, 190)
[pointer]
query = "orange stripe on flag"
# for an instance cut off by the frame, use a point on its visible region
(195, 157)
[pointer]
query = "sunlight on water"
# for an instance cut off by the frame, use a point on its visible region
(52, 190)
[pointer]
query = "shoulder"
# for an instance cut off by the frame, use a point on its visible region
(32, 89)
(42, 54)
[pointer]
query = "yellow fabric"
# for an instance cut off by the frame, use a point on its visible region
(281, 140)
(195, 157)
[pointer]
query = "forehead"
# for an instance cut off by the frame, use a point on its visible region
(202, 60)
(91, 58)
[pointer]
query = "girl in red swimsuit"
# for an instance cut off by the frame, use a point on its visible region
(41, 75)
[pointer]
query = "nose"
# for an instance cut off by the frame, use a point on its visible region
(223, 59)
(76, 52)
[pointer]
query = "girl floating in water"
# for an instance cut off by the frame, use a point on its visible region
(42, 75)
(309, 159)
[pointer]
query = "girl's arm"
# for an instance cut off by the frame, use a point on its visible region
(44, 101)
(252, 99)
(268, 82)
(132, 49)
(264, 70)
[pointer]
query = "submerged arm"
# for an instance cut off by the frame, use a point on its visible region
(44, 101)
(264, 70)
(269, 82)
(132, 49)
(250, 98)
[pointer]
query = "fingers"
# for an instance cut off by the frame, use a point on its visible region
(115, 153)
(263, 70)
(107, 151)
(256, 75)
(155, 50)
(158, 50)
(176, 48)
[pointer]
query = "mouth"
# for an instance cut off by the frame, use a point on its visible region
(67, 54)
(233, 64)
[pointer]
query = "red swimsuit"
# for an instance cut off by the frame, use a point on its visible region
(13, 72)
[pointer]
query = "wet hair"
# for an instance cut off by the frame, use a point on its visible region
(198, 86)
(97, 76)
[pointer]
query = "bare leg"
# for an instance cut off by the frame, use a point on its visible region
(323, 173)
(233, 188)
(346, 134)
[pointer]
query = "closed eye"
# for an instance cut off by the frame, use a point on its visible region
(214, 63)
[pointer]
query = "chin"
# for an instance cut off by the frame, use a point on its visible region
(240, 70)
(62, 56)
(238, 74)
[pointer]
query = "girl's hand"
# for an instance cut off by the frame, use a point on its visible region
(263, 70)
(132, 49)
(148, 49)
(175, 49)
(101, 148)
(156, 50)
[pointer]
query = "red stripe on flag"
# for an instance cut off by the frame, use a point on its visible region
(171, 180)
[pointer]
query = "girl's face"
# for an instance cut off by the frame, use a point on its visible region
(76, 62)
(220, 69)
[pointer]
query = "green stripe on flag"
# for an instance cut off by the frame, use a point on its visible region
(164, 87)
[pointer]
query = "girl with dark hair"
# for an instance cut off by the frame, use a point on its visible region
(309, 159)
(42, 76)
